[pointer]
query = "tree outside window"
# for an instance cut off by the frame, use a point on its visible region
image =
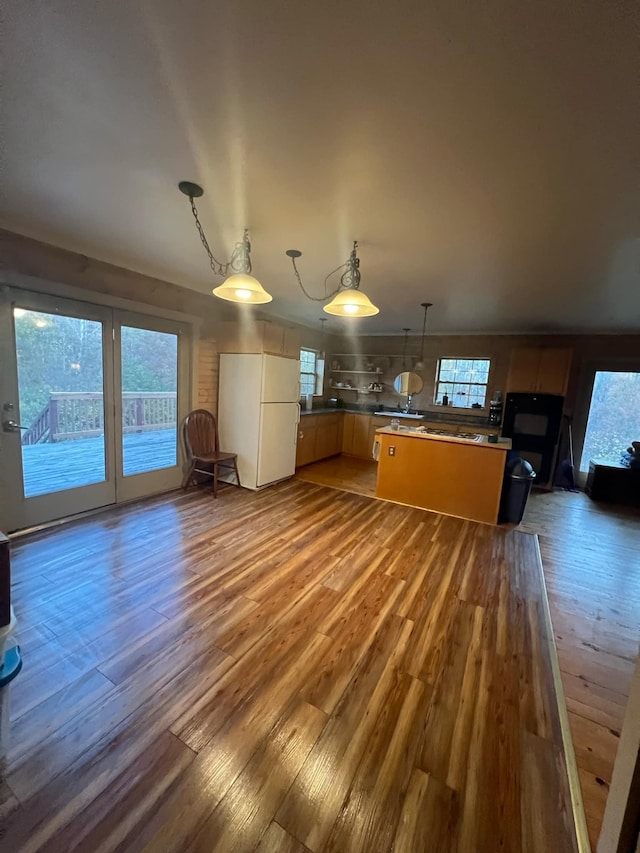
(614, 416)
(311, 372)
(463, 380)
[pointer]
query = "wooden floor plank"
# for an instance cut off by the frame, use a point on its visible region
(591, 564)
(352, 676)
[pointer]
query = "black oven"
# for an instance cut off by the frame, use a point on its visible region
(532, 422)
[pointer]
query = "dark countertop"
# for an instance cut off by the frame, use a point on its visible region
(434, 417)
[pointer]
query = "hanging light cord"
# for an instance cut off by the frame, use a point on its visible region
(424, 326)
(350, 278)
(404, 351)
(240, 257)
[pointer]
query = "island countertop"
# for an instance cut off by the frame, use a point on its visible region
(422, 433)
(443, 473)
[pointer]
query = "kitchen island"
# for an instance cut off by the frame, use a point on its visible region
(446, 473)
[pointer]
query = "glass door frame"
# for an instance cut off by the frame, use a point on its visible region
(132, 486)
(16, 510)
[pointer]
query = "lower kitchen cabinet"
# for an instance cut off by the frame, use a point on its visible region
(319, 436)
(355, 437)
(306, 444)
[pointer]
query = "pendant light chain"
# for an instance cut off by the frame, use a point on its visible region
(304, 290)
(240, 258)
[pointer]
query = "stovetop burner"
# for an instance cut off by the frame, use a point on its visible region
(467, 436)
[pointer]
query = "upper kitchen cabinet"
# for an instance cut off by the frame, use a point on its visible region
(259, 336)
(541, 370)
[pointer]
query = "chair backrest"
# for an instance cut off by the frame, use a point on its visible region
(201, 433)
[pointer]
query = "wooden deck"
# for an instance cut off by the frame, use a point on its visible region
(298, 669)
(70, 464)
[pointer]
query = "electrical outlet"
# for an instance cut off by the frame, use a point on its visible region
(392, 451)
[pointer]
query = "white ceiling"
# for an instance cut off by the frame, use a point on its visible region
(486, 155)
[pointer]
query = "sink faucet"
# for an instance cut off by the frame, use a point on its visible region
(407, 407)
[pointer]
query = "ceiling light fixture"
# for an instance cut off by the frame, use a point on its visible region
(240, 286)
(420, 364)
(347, 300)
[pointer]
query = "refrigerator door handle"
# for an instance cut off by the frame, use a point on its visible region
(299, 411)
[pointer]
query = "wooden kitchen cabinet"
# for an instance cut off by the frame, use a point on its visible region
(355, 439)
(319, 436)
(306, 444)
(541, 370)
(261, 336)
(328, 436)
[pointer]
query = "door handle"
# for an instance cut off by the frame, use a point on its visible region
(12, 426)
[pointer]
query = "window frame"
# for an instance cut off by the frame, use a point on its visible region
(481, 385)
(318, 371)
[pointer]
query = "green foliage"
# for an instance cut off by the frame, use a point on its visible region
(614, 416)
(58, 353)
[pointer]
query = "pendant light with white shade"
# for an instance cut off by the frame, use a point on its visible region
(239, 285)
(347, 300)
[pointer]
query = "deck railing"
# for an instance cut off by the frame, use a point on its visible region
(80, 414)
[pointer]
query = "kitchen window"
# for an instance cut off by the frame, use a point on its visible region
(311, 372)
(463, 380)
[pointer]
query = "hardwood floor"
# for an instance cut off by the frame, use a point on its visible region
(591, 562)
(347, 473)
(591, 558)
(290, 670)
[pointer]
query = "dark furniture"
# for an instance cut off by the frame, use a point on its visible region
(203, 449)
(5, 582)
(532, 422)
(613, 483)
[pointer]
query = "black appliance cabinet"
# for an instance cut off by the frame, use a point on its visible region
(532, 422)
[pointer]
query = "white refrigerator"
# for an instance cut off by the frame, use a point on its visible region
(258, 415)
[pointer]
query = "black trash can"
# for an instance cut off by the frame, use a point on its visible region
(518, 479)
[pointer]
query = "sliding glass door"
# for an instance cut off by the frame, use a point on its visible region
(91, 400)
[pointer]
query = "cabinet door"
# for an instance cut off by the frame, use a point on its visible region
(291, 342)
(305, 448)
(553, 371)
(347, 432)
(327, 436)
(523, 369)
(361, 445)
(273, 337)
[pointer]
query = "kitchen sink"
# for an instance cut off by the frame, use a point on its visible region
(401, 415)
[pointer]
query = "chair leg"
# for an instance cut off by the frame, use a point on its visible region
(186, 480)
(215, 481)
(235, 468)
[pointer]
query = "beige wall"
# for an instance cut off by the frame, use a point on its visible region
(586, 349)
(589, 351)
(39, 266)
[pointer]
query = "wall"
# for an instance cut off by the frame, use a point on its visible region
(41, 267)
(588, 351)
(38, 266)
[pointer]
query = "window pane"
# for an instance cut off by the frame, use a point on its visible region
(311, 372)
(61, 403)
(149, 395)
(614, 417)
(464, 380)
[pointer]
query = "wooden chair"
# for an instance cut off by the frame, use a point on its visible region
(203, 450)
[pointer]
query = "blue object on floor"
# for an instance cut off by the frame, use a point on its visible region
(11, 666)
